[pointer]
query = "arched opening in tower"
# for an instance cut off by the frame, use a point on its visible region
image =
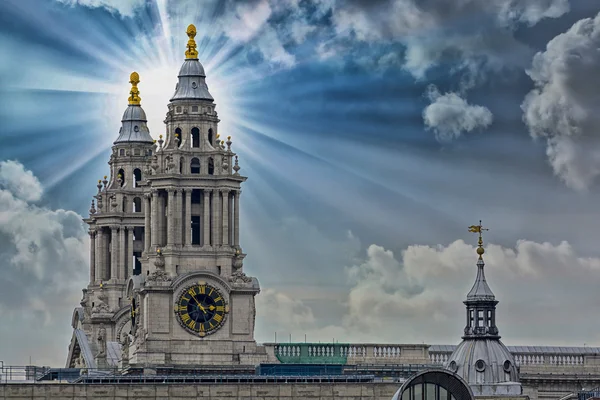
(121, 177)
(178, 134)
(124, 209)
(195, 166)
(137, 205)
(195, 137)
(211, 166)
(210, 136)
(137, 177)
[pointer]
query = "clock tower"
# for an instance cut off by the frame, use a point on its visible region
(179, 296)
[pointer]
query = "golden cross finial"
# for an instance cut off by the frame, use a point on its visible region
(135, 98)
(478, 229)
(191, 52)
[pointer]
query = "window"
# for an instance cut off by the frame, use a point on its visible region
(121, 177)
(471, 318)
(430, 391)
(195, 137)
(211, 166)
(124, 204)
(122, 152)
(178, 110)
(136, 152)
(489, 318)
(210, 136)
(137, 205)
(137, 177)
(195, 229)
(178, 134)
(194, 109)
(480, 318)
(195, 166)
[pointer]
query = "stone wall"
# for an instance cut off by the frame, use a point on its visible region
(322, 391)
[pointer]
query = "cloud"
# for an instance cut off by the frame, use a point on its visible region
(126, 8)
(418, 296)
(21, 183)
(449, 115)
(471, 34)
(563, 107)
(44, 257)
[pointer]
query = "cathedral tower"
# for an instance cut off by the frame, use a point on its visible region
(166, 281)
(482, 360)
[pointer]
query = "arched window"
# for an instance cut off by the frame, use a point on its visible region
(124, 204)
(210, 136)
(211, 166)
(178, 134)
(121, 176)
(122, 152)
(137, 205)
(181, 165)
(195, 166)
(195, 137)
(434, 384)
(137, 176)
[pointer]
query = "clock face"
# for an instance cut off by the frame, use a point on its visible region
(201, 309)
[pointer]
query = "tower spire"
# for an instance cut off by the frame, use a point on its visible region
(478, 229)
(134, 98)
(191, 52)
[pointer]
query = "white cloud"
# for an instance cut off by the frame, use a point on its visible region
(21, 183)
(45, 263)
(449, 115)
(418, 297)
(126, 8)
(563, 107)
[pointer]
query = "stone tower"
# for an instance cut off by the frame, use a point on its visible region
(166, 281)
(482, 360)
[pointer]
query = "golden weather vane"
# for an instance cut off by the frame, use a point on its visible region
(135, 98)
(191, 51)
(479, 229)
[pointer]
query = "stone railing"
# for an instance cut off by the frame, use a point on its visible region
(312, 353)
(547, 355)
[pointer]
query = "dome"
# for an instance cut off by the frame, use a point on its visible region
(191, 68)
(134, 113)
(192, 84)
(133, 126)
(483, 361)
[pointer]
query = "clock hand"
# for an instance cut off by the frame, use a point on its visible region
(199, 304)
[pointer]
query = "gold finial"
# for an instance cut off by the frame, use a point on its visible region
(135, 98)
(160, 136)
(478, 229)
(218, 136)
(104, 176)
(191, 52)
(99, 180)
(228, 137)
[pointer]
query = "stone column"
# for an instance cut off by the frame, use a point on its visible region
(161, 220)
(147, 221)
(187, 218)
(171, 206)
(236, 219)
(122, 261)
(92, 233)
(114, 252)
(206, 219)
(225, 224)
(101, 255)
(179, 219)
(129, 264)
(215, 217)
(154, 229)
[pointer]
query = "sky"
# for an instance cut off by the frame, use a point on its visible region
(372, 132)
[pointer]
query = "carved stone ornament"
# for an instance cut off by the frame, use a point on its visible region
(101, 307)
(101, 342)
(239, 278)
(158, 276)
(238, 260)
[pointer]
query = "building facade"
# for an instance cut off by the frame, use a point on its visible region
(167, 285)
